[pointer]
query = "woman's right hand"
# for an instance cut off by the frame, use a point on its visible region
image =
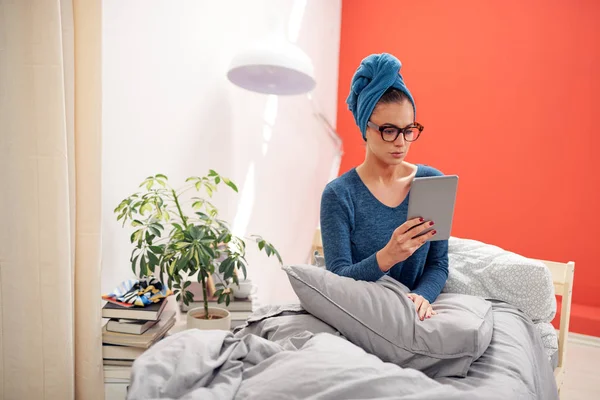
(403, 242)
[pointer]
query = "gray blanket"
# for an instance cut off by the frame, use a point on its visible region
(304, 364)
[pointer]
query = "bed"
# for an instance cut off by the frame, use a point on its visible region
(326, 348)
(562, 278)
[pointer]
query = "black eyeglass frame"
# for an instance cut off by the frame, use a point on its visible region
(402, 131)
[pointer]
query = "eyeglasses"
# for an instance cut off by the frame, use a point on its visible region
(390, 133)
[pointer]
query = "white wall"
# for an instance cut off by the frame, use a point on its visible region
(169, 108)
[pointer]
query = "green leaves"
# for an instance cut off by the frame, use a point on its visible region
(182, 262)
(210, 182)
(217, 179)
(157, 249)
(197, 232)
(182, 237)
(147, 259)
(271, 250)
(150, 181)
(127, 208)
(230, 184)
(155, 230)
(198, 204)
(243, 265)
(210, 189)
(188, 297)
(203, 217)
(134, 263)
(268, 248)
(227, 265)
(177, 226)
(143, 267)
(223, 295)
(137, 236)
(146, 207)
(184, 295)
(153, 258)
(182, 245)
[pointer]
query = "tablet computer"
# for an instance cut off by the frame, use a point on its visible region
(432, 198)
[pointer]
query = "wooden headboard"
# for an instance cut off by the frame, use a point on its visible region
(562, 277)
(317, 243)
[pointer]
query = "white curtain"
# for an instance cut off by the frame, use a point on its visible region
(50, 114)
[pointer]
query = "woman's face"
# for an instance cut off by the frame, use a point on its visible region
(400, 114)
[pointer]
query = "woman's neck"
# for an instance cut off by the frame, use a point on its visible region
(373, 170)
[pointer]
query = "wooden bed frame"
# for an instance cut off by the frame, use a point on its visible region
(562, 277)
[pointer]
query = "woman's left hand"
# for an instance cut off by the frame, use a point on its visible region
(423, 307)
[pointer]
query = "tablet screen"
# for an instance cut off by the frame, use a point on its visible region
(432, 198)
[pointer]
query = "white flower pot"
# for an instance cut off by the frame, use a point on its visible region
(223, 323)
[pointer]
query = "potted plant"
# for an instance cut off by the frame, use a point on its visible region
(181, 237)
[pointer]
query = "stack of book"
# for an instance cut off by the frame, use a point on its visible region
(240, 309)
(131, 331)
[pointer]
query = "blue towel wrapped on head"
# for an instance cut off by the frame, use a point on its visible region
(375, 74)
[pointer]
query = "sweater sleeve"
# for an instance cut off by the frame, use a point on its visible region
(435, 272)
(335, 233)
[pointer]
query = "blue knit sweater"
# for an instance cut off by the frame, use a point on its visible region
(355, 226)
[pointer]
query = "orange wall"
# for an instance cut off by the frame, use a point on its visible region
(509, 94)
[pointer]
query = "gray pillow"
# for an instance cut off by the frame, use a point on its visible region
(380, 318)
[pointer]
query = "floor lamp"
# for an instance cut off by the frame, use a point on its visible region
(282, 68)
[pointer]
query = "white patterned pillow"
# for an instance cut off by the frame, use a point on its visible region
(549, 337)
(487, 271)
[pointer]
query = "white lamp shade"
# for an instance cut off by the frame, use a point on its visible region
(279, 68)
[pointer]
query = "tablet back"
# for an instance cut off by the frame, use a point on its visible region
(433, 198)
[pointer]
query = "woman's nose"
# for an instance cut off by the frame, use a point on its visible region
(399, 140)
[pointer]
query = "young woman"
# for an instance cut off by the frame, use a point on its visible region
(364, 223)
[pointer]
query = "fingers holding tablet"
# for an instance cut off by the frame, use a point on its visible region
(417, 227)
(409, 225)
(422, 233)
(424, 236)
(405, 240)
(430, 199)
